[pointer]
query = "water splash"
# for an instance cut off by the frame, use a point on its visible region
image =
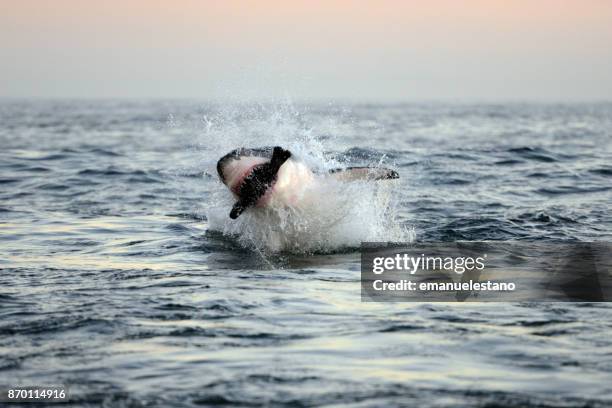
(332, 216)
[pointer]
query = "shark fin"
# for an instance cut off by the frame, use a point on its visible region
(364, 173)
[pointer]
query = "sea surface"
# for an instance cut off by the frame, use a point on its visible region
(122, 276)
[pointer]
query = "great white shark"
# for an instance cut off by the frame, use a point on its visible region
(272, 177)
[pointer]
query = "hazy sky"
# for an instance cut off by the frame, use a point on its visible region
(363, 50)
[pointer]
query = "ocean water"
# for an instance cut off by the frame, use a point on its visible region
(122, 276)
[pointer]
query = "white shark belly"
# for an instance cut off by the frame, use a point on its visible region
(293, 180)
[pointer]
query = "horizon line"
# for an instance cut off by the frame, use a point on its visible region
(318, 100)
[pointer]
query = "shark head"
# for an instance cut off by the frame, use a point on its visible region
(250, 173)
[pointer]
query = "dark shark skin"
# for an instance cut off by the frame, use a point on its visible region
(263, 175)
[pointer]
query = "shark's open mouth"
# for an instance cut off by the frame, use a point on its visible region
(253, 183)
(242, 179)
(249, 184)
